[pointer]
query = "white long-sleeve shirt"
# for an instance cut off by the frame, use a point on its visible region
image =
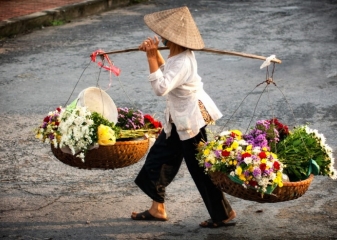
(179, 81)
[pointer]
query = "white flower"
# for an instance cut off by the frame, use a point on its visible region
(232, 153)
(75, 130)
(243, 142)
(256, 150)
(81, 155)
(248, 160)
(269, 164)
(225, 133)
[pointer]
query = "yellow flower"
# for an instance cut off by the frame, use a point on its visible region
(263, 160)
(238, 171)
(278, 179)
(106, 136)
(237, 133)
(219, 147)
(242, 177)
(39, 136)
(201, 145)
(206, 152)
(249, 148)
(235, 145)
(265, 149)
(210, 159)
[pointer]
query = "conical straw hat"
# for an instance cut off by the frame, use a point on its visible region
(97, 100)
(176, 25)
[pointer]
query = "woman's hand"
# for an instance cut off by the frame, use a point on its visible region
(150, 46)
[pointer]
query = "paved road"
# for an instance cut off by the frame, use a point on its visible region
(42, 198)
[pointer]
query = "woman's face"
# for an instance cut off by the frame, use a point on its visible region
(164, 41)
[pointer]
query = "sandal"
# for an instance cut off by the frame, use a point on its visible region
(211, 224)
(147, 217)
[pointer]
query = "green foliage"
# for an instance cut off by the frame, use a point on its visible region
(298, 149)
(57, 22)
(98, 120)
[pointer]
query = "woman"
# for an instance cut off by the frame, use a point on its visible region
(188, 111)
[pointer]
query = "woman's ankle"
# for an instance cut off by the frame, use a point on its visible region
(158, 208)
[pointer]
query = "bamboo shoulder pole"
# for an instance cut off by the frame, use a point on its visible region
(210, 50)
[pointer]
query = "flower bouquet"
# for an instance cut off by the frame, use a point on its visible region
(135, 124)
(76, 133)
(272, 163)
(251, 165)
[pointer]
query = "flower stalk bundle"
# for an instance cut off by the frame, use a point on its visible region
(301, 146)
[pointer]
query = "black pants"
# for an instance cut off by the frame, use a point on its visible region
(163, 163)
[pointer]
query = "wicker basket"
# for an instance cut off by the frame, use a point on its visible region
(122, 154)
(289, 191)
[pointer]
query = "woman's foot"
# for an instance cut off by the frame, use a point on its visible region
(231, 216)
(225, 223)
(146, 216)
(156, 212)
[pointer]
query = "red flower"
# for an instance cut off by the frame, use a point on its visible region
(157, 124)
(151, 122)
(245, 155)
(233, 135)
(46, 119)
(148, 118)
(281, 128)
(263, 167)
(252, 183)
(58, 109)
(276, 165)
(262, 155)
(225, 153)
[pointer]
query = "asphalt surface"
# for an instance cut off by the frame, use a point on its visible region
(42, 198)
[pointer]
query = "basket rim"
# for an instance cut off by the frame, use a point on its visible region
(289, 190)
(128, 142)
(108, 156)
(294, 184)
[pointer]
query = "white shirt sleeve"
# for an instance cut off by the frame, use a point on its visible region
(175, 74)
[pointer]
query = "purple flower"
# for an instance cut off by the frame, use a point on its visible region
(217, 153)
(257, 172)
(208, 165)
(229, 141)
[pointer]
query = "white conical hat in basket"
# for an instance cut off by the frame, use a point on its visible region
(97, 100)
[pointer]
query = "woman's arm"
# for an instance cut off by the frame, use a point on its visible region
(160, 59)
(154, 57)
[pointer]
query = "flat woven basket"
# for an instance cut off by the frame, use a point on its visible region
(122, 154)
(289, 191)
